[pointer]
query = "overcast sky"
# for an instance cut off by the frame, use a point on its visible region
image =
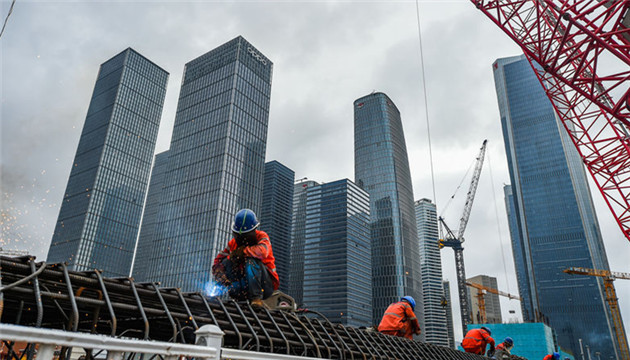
(325, 54)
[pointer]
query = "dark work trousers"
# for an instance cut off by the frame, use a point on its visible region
(249, 280)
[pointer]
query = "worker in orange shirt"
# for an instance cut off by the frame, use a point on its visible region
(400, 320)
(554, 356)
(246, 267)
(476, 340)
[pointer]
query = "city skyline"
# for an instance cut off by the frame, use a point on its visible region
(304, 135)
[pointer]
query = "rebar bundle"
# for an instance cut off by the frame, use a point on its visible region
(51, 296)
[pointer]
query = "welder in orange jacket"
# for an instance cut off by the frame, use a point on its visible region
(246, 267)
(400, 320)
(476, 340)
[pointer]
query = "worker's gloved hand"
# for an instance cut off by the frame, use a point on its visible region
(237, 254)
(418, 332)
(490, 352)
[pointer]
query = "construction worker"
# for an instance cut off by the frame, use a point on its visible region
(246, 267)
(476, 340)
(503, 349)
(400, 320)
(554, 356)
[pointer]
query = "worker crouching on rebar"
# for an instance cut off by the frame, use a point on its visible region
(476, 341)
(246, 267)
(400, 320)
(503, 349)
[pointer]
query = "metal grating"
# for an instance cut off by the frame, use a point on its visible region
(51, 296)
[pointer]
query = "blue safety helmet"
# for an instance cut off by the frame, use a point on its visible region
(410, 300)
(245, 221)
(556, 355)
(487, 330)
(508, 340)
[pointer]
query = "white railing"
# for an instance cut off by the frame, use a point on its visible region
(209, 341)
(48, 340)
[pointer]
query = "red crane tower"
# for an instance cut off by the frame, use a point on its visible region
(580, 52)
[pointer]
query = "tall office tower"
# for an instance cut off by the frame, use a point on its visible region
(555, 215)
(298, 238)
(493, 305)
(434, 320)
(276, 214)
(449, 314)
(337, 255)
(145, 246)
(518, 252)
(217, 159)
(381, 168)
(100, 214)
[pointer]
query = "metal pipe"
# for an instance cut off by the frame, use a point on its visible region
(107, 301)
(140, 308)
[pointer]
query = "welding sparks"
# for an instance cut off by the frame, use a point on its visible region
(213, 289)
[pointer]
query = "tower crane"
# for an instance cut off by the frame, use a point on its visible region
(455, 241)
(481, 301)
(564, 42)
(611, 298)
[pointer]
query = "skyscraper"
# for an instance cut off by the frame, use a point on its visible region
(145, 246)
(519, 253)
(449, 314)
(555, 216)
(276, 214)
(100, 213)
(337, 255)
(492, 303)
(216, 164)
(381, 168)
(434, 319)
(298, 239)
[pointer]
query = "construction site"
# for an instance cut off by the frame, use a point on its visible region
(49, 311)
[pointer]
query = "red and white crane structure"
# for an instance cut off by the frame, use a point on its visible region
(580, 52)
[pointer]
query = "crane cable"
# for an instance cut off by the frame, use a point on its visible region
(7, 18)
(496, 213)
(426, 105)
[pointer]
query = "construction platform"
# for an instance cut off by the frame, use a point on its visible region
(49, 296)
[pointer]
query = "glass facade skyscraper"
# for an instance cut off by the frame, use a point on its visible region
(519, 253)
(276, 215)
(493, 305)
(337, 255)
(434, 320)
(298, 239)
(555, 216)
(100, 213)
(449, 313)
(381, 168)
(145, 246)
(217, 158)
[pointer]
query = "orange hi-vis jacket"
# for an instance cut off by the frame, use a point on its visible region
(476, 340)
(261, 251)
(400, 318)
(548, 357)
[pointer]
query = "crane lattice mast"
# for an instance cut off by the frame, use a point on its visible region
(455, 241)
